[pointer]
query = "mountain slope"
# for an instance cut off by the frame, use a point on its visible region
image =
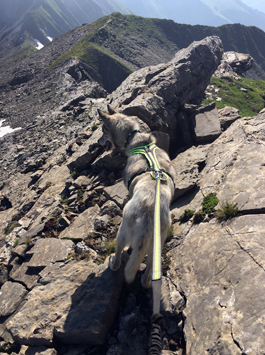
(200, 12)
(23, 22)
(105, 51)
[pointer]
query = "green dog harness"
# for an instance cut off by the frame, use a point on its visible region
(149, 151)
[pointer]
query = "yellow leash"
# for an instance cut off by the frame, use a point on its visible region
(159, 175)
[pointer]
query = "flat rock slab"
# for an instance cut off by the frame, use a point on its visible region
(82, 226)
(27, 276)
(207, 125)
(11, 295)
(245, 183)
(220, 270)
(49, 250)
(77, 302)
(188, 166)
(86, 153)
(31, 233)
(116, 193)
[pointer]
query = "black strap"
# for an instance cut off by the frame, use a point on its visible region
(155, 342)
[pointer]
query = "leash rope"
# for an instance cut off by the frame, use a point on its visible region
(149, 151)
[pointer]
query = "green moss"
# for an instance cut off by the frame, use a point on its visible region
(247, 95)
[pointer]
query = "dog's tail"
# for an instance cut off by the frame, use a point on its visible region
(136, 257)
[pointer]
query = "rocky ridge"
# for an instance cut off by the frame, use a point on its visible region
(32, 85)
(61, 205)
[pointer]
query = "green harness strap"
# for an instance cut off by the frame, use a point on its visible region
(159, 175)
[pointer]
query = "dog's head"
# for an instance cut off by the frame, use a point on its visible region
(116, 128)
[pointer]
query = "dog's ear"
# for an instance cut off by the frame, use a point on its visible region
(111, 110)
(104, 116)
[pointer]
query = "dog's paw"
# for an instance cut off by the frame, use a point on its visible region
(114, 264)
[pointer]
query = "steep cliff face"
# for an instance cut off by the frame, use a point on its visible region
(60, 213)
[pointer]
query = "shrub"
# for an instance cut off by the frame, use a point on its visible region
(186, 216)
(199, 217)
(226, 211)
(209, 203)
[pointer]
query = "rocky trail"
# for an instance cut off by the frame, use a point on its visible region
(61, 201)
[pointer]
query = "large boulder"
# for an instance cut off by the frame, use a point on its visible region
(158, 94)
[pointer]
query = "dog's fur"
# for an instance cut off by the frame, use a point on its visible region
(137, 227)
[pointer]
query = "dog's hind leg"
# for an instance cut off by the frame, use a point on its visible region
(136, 257)
(115, 262)
(146, 278)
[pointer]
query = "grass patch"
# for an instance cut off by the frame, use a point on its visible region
(226, 211)
(10, 228)
(246, 95)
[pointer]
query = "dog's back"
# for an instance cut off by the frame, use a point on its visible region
(137, 227)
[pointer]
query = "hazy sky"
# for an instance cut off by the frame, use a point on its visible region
(256, 4)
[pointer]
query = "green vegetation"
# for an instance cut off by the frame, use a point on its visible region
(247, 95)
(209, 203)
(186, 216)
(10, 228)
(75, 174)
(198, 217)
(226, 211)
(208, 208)
(110, 247)
(170, 233)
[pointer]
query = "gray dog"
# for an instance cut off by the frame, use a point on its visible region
(137, 227)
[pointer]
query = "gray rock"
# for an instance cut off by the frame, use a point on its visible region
(233, 65)
(116, 193)
(11, 295)
(207, 124)
(227, 116)
(81, 181)
(86, 153)
(157, 94)
(188, 166)
(240, 62)
(171, 300)
(219, 267)
(41, 350)
(82, 225)
(25, 275)
(49, 250)
(223, 285)
(31, 233)
(69, 298)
